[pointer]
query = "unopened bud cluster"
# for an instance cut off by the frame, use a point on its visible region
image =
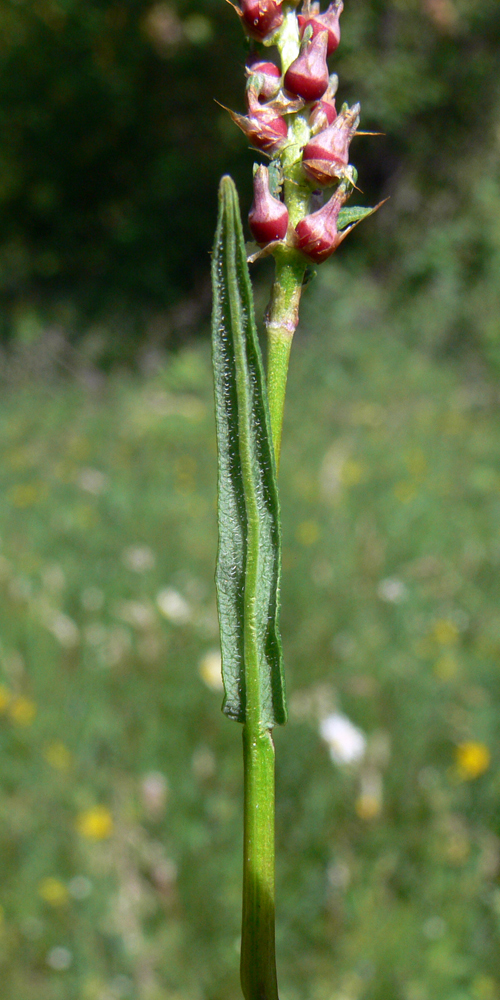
(292, 119)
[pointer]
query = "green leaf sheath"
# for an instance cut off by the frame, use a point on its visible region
(248, 560)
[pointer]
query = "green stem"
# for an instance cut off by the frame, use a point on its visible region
(281, 322)
(258, 959)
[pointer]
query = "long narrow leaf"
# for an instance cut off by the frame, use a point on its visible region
(248, 561)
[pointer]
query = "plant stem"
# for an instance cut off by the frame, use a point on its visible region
(258, 959)
(281, 322)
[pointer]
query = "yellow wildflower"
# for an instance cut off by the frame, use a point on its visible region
(27, 494)
(472, 760)
(446, 667)
(369, 802)
(5, 697)
(445, 632)
(95, 823)
(53, 891)
(352, 472)
(368, 807)
(22, 711)
(58, 756)
(210, 668)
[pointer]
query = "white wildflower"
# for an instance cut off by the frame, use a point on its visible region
(338, 875)
(154, 791)
(80, 887)
(53, 578)
(173, 606)
(93, 481)
(346, 742)
(118, 645)
(139, 614)
(392, 590)
(64, 629)
(59, 958)
(139, 558)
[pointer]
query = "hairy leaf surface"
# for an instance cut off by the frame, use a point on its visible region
(249, 556)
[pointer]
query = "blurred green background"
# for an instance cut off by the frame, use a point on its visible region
(121, 798)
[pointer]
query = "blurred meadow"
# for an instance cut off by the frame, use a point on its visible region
(121, 781)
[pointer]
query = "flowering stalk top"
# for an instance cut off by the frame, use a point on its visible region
(292, 119)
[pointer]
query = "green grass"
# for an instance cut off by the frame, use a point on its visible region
(390, 472)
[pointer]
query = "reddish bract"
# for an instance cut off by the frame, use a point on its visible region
(308, 74)
(268, 217)
(317, 235)
(265, 129)
(264, 77)
(327, 154)
(323, 114)
(329, 21)
(260, 17)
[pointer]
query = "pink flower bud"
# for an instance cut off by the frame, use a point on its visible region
(323, 112)
(308, 75)
(264, 78)
(268, 217)
(264, 128)
(329, 21)
(326, 155)
(260, 17)
(317, 235)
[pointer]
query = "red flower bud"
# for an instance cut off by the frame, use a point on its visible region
(265, 129)
(308, 75)
(317, 235)
(323, 112)
(268, 217)
(329, 21)
(327, 154)
(264, 78)
(260, 17)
